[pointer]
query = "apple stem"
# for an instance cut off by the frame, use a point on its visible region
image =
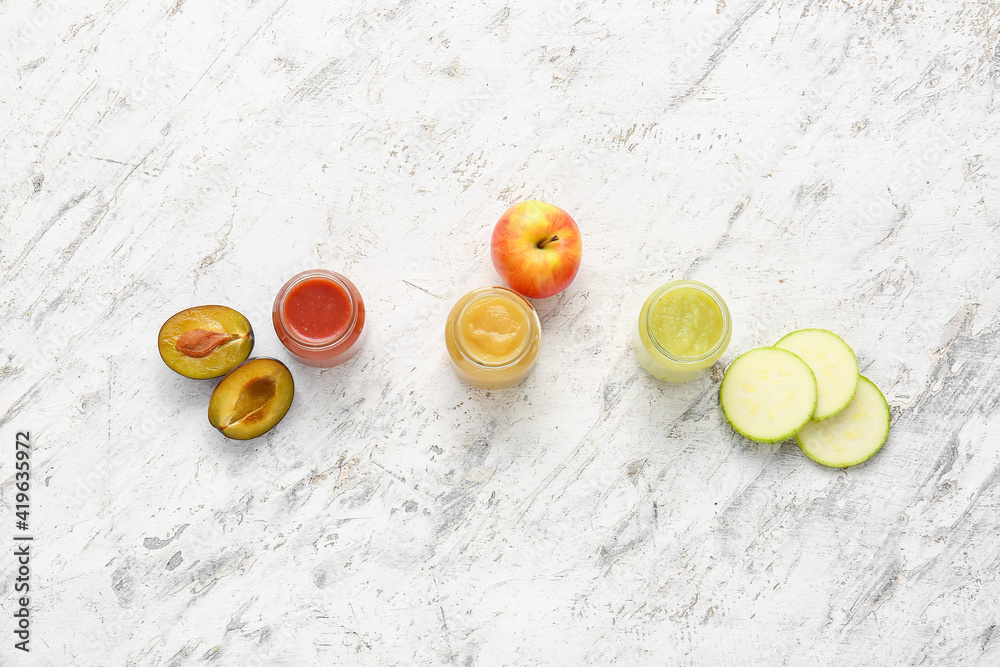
(545, 242)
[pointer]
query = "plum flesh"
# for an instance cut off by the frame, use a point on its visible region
(205, 341)
(252, 399)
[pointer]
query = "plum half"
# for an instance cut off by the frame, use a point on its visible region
(252, 399)
(205, 341)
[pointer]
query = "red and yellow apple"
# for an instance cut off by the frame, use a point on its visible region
(536, 248)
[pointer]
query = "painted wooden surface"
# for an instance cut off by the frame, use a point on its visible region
(829, 164)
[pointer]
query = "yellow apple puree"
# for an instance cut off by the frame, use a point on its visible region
(493, 329)
(683, 328)
(493, 335)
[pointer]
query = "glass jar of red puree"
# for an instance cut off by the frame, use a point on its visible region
(320, 317)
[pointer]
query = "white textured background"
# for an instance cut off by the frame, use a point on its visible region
(821, 163)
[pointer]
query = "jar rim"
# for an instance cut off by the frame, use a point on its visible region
(332, 276)
(663, 290)
(534, 326)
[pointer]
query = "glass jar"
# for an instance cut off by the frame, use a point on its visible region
(320, 317)
(493, 335)
(683, 328)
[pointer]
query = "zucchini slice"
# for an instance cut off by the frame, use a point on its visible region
(853, 435)
(768, 394)
(834, 363)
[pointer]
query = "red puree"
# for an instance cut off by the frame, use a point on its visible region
(319, 316)
(317, 309)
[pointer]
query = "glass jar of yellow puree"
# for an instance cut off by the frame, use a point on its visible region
(493, 335)
(683, 328)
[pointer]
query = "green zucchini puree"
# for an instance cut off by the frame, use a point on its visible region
(686, 322)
